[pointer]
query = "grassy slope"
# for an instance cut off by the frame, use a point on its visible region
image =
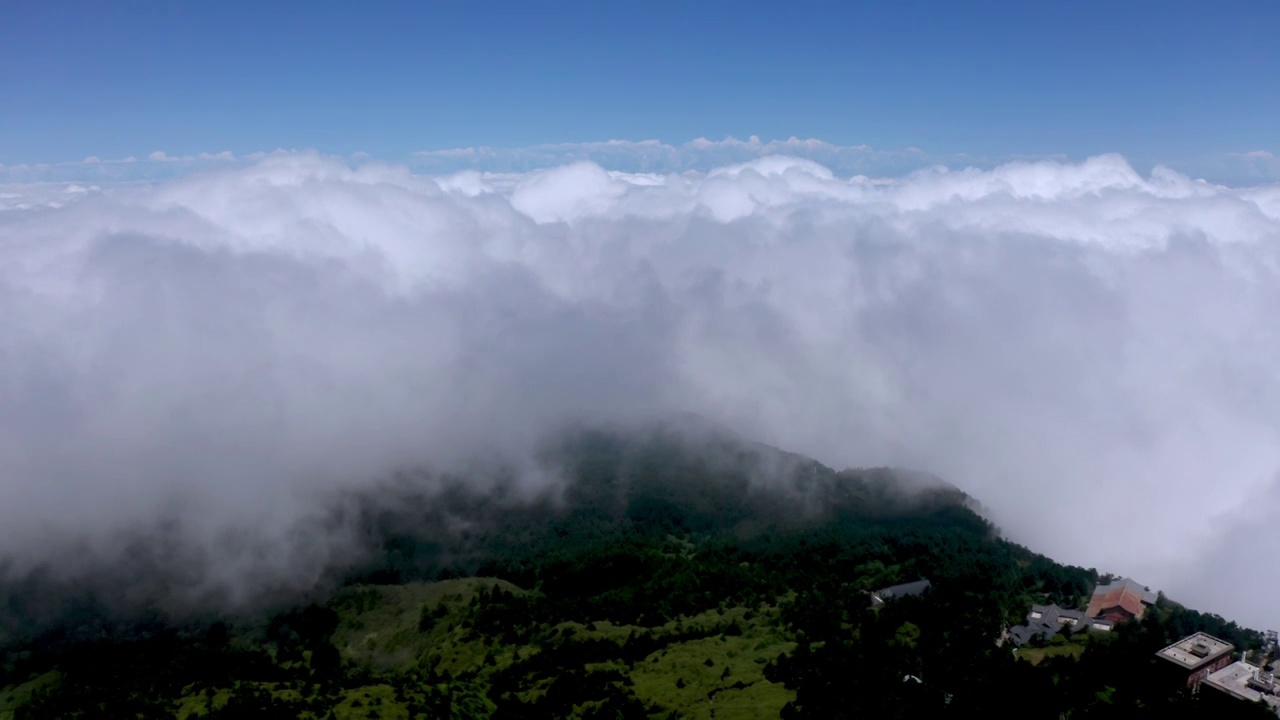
(1073, 648)
(742, 692)
(15, 695)
(379, 624)
(379, 629)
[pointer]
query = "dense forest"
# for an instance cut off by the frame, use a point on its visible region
(672, 574)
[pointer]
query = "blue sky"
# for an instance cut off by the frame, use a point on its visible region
(1159, 81)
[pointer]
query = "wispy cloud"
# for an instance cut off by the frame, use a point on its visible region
(699, 154)
(157, 165)
(638, 156)
(1234, 168)
(702, 154)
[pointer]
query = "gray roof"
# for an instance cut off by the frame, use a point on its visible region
(903, 590)
(1052, 620)
(1235, 680)
(1196, 651)
(1054, 614)
(1048, 616)
(1022, 634)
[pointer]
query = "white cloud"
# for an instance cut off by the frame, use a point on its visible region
(467, 152)
(163, 157)
(1238, 168)
(1087, 349)
(643, 156)
(702, 154)
(156, 166)
(699, 154)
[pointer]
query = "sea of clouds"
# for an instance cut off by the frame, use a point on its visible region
(1090, 351)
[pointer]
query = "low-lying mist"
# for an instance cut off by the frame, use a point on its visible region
(221, 358)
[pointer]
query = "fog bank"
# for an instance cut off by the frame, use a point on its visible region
(1088, 351)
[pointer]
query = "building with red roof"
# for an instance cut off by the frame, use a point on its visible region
(1119, 601)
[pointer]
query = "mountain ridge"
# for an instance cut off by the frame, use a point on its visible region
(671, 571)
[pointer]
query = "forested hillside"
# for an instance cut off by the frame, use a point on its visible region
(673, 574)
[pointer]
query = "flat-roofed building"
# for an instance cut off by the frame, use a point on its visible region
(1197, 656)
(1245, 682)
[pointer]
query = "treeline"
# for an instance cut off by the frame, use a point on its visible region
(649, 531)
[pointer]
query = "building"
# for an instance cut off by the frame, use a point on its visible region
(1251, 683)
(1054, 615)
(1120, 600)
(1197, 656)
(1101, 624)
(1020, 635)
(1047, 621)
(879, 597)
(1246, 682)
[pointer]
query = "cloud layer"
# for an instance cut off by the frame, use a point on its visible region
(700, 154)
(1233, 168)
(1244, 168)
(1088, 350)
